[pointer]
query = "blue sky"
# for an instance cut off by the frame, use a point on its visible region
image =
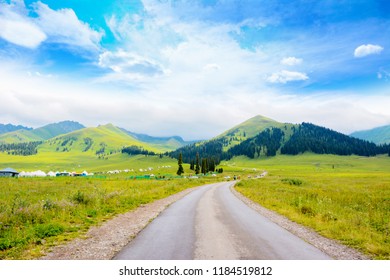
(195, 68)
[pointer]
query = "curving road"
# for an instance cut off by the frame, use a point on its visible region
(212, 223)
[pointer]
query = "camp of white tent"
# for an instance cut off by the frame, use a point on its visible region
(40, 173)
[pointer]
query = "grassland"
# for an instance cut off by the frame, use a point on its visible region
(343, 198)
(36, 213)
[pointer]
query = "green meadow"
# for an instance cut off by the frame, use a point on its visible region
(346, 198)
(37, 213)
(343, 198)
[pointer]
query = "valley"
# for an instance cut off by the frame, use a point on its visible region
(337, 185)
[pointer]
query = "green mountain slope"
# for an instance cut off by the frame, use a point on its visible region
(249, 129)
(102, 140)
(96, 148)
(378, 135)
(19, 136)
(273, 138)
(218, 147)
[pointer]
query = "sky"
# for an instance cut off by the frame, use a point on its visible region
(195, 68)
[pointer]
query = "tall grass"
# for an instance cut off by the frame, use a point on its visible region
(36, 213)
(352, 207)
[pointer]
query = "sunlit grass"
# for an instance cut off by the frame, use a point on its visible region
(36, 213)
(344, 198)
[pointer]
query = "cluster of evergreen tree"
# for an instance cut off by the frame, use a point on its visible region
(320, 140)
(203, 165)
(21, 149)
(210, 149)
(135, 150)
(266, 143)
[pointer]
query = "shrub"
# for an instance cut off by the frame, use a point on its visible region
(47, 230)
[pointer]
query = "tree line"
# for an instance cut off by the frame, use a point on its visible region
(21, 149)
(135, 150)
(320, 140)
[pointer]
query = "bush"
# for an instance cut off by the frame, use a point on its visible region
(81, 198)
(295, 182)
(47, 230)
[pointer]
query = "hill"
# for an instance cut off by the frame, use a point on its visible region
(218, 147)
(102, 141)
(4, 128)
(378, 135)
(97, 148)
(272, 138)
(52, 130)
(249, 129)
(40, 134)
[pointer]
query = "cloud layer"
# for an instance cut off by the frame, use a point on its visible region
(194, 68)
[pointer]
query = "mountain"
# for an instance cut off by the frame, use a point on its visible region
(51, 130)
(40, 134)
(249, 129)
(165, 143)
(272, 138)
(378, 135)
(219, 146)
(4, 128)
(101, 140)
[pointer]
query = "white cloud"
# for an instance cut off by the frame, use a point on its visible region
(285, 76)
(365, 50)
(127, 62)
(63, 26)
(291, 61)
(18, 29)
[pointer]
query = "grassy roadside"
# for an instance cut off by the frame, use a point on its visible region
(347, 199)
(36, 213)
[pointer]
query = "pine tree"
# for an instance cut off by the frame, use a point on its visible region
(212, 165)
(204, 166)
(180, 163)
(197, 167)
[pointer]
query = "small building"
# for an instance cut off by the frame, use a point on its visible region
(9, 172)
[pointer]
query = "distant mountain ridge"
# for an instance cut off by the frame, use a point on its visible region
(5, 128)
(52, 130)
(40, 134)
(378, 135)
(171, 142)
